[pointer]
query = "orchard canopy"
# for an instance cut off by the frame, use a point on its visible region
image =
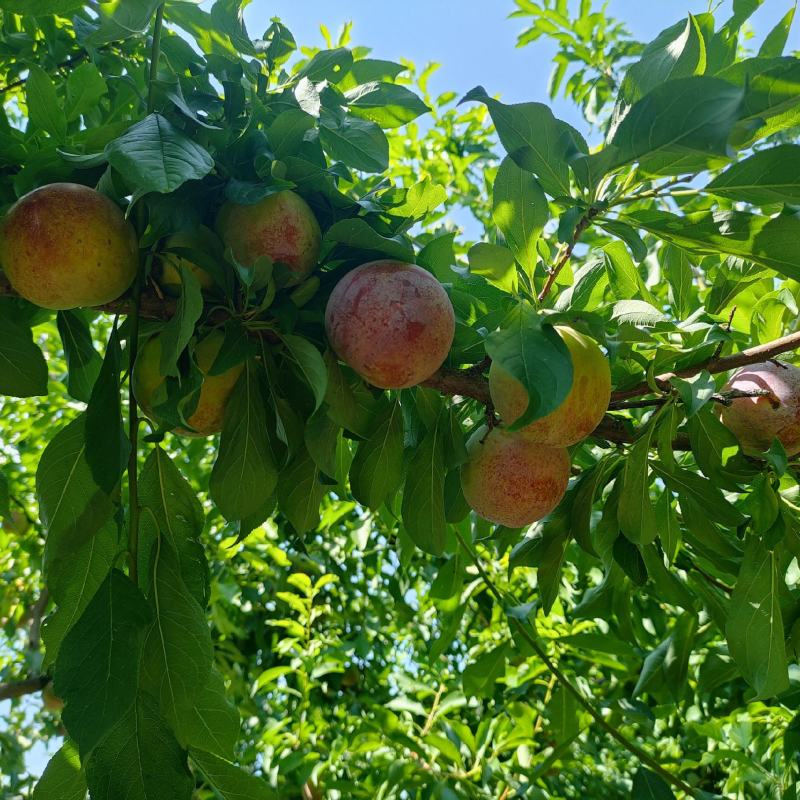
(305, 493)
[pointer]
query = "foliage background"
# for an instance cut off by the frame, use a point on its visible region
(326, 643)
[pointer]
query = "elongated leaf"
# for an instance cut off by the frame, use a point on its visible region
(535, 139)
(171, 508)
(680, 126)
(23, 370)
(755, 625)
(107, 447)
(520, 211)
(44, 108)
(361, 144)
(388, 104)
(768, 241)
(154, 156)
(228, 780)
(495, 263)
(377, 469)
(537, 357)
(177, 654)
(767, 176)
(423, 496)
(776, 39)
(311, 364)
(300, 492)
(358, 233)
(63, 777)
(97, 670)
(244, 474)
(213, 724)
(85, 87)
(703, 492)
(649, 786)
(636, 513)
(140, 759)
(83, 361)
(179, 330)
(73, 580)
(71, 505)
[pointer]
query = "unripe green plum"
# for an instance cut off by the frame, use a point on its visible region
(582, 409)
(168, 264)
(511, 479)
(392, 322)
(215, 390)
(65, 246)
(282, 227)
(756, 421)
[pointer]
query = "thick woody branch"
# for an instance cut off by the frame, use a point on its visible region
(9, 691)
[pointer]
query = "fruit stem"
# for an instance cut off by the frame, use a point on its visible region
(632, 748)
(155, 54)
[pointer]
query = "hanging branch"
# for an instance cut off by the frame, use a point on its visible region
(584, 222)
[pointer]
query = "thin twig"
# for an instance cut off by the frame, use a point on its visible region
(643, 756)
(8, 691)
(582, 225)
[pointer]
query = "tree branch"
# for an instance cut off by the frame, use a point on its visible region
(582, 225)
(9, 691)
(715, 365)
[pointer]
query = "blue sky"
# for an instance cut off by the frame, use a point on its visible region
(474, 40)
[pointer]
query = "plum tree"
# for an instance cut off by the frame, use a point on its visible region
(215, 390)
(756, 421)
(65, 245)
(511, 479)
(583, 407)
(169, 264)
(282, 227)
(392, 322)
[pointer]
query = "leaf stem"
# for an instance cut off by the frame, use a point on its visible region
(634, 749)
(133, 432)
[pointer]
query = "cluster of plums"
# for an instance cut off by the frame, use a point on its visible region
(66, 246)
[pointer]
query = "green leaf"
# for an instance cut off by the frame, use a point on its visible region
(695, 391)
(37, 8)
(377, 469)
(171, 508)
(358, 233)
(703, 492)
(636, 512)
(623, 278)
(97, 670)
(177, 653)
(230, 782)
(140, 759)
(776, 39)
(63, 777)
(678, 272)
(359, 143)
(387, 104)
(23, 370)
(767, 176)
(768, 241)
(213, 724)
(755, 625)
(629, 557)
(288, 130)
(535, 139)
(350, 404)
(479, 677)
(422, 510)
(73, 580)
(177, 333)
(677, 52)
(85, 87)
(44, 108)
(122, 21)
(422, 198)
(300, 492)
(563, 713)
(495, 263)
(680, 126)
(327, 65)
(154, 156)
(72, 506)
(83, 361)
(520, 211)
(649, 786)
(537, 357)
(107, 448)
(311, 364)
(244, 473)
